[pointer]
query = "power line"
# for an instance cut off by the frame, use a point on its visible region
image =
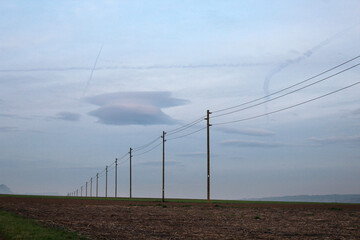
(102, 172)
(122, 157)
(148, 150)
(186, 126)
(122, 162)
(283, 95)
(197, 121)
(111, 164)
(110, 168)
(145, 145)
(286, 108)
(186, 134)
(284, 89)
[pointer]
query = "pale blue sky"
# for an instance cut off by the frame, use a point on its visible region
(163, 64)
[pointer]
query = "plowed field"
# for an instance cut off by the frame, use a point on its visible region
(105, 219)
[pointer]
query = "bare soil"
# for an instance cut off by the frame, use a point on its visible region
(104, 219)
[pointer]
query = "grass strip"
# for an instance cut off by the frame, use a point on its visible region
(14, 227)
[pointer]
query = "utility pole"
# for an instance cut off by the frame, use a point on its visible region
(81, 190)
(97, 184)
(86, 189)
(163, 168)
(208, 153)
(130, 170)
(91, 187)
(116, 176)
(106, 169)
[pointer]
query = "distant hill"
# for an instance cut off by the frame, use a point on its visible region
(5, 189)
(336, 198)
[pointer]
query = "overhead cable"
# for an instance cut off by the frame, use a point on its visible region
(179, 129)
(146, 145)
(186, 134)
(123, 161)
(147, 150)
(286, 108)
(283, 95)
(123, 156)
(289, 87)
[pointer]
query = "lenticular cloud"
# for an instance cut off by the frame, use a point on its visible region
(134, 108)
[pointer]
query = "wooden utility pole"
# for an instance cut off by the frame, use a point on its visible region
(116, 176)
(130, 169)
(106, 170)
(208, 153)
(97, 184)
(163, 168)
(90, 187)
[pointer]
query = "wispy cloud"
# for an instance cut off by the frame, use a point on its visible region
(356, 112)
(248, 131)
(13, 116)
(336, 140)
(8, 129)
(136, 67)
(134, 108)
(252, 144)
(68, 116)
(61, 69)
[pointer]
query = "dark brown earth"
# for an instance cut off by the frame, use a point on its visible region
(101, 219)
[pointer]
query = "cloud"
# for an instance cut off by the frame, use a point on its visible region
(356, 112)
(336, 140)
(13, 116)
(8, 129)
(131, 114)
(61, 69)
(254, 144)
(134, 108)
(248, 132)
(139, 67)
(68, 116)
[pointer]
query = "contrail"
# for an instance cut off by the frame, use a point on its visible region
(143, 67)
(285, 64)
(65, 69)
(92, 71)
(305, 55)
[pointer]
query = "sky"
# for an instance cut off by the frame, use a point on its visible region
(82, 82)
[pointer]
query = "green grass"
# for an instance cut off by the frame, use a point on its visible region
(13, 227)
